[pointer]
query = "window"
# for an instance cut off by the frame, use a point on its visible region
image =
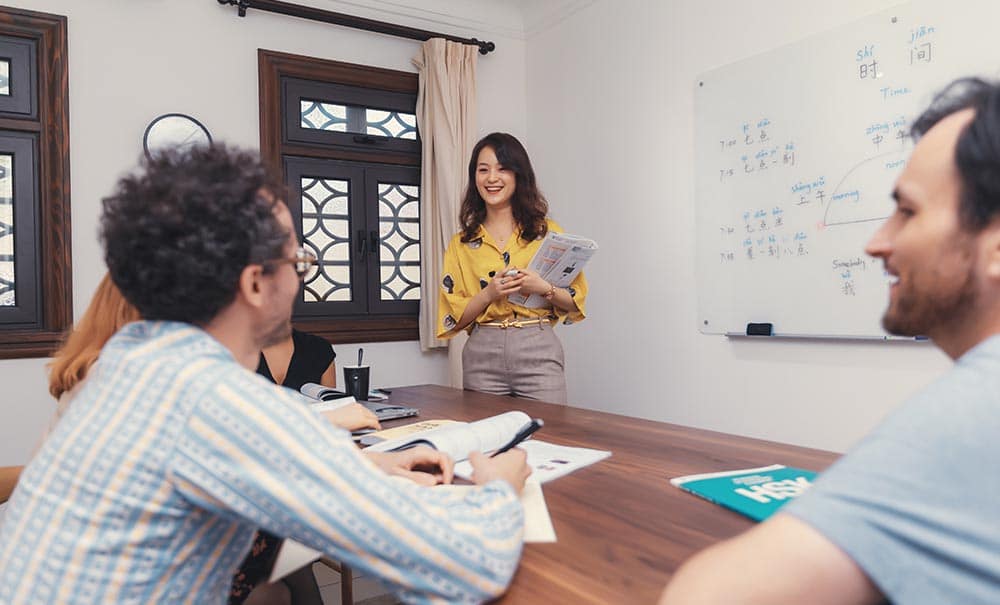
(35, 272)
(345, 138)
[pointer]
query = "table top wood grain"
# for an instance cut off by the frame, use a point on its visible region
(622, 529)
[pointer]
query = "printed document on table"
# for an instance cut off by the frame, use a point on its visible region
(548, 461)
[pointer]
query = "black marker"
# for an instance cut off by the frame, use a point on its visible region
(521, 435)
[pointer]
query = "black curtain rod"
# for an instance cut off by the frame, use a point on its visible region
(315, 14)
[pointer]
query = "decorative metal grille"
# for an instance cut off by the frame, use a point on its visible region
(399, 235)
(395, 124)
(7, 291)
(317, 115)
(326, 230)
(5, 77)
(323, 116)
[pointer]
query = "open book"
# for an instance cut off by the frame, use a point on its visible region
(327, 399)
(558, 261)
(402, 431)
(457, 439)
(757, 493)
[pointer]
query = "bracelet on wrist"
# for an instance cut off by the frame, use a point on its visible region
(550, 294)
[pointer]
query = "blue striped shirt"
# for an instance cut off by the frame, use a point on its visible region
(172, 455)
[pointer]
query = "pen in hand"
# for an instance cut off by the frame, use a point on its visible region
(521, 435)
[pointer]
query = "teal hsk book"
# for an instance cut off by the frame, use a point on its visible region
(757, 493)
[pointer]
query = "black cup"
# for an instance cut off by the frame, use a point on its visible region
(356, 381)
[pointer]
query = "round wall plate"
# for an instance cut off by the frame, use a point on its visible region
(174, 130)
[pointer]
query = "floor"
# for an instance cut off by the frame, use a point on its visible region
(366, 590)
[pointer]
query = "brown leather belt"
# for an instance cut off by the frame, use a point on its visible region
(517, 323)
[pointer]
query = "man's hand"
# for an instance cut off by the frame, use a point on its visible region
(352, 417)
(420, 464)
(510, 466)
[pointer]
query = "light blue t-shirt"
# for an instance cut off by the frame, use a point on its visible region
(916, 504)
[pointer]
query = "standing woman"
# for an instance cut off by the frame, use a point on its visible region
(511, 350)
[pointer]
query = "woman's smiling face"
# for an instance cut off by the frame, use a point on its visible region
(495, 183)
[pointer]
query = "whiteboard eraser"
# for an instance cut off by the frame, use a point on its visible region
(760, 329)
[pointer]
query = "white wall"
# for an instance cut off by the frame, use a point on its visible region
(131, 61)
(610, 124)
(603, 102)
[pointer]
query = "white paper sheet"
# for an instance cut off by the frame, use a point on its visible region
(548, 461)
(291, 556)
(537, 522)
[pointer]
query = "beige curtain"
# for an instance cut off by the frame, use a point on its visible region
(446, 114)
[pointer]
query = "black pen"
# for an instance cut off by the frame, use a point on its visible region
(521, 435)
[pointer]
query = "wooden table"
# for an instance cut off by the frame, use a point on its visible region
(622, 529)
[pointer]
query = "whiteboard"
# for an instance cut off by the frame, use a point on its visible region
(796, 154)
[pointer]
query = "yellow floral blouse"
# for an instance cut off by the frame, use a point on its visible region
(468, 268)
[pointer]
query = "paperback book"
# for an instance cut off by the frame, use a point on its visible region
(757, 493)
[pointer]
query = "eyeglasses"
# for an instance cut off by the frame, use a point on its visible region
(303, 261)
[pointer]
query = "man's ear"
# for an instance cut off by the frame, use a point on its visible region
(251, 285)
(989, 247)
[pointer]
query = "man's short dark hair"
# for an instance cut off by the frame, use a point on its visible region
(178, 233)
(977, 154)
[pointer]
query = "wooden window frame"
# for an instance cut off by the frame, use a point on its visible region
(273, 69)
(52, 230)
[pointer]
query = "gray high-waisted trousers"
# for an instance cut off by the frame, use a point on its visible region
(524, 362)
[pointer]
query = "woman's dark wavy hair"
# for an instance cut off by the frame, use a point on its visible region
(178, 233)
(527, 204)
(977, 152)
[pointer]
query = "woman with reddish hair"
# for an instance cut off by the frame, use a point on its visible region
(107, 312)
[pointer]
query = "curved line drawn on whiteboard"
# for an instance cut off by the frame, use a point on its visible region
(849, 204)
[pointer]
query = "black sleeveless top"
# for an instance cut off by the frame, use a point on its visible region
(310, 358)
